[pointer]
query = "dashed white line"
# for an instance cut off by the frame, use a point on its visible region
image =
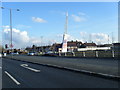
(32, 69)
(12, 78)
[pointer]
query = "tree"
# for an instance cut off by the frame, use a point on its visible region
(33, 47)
(1, 48)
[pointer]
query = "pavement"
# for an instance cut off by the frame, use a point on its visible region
(21, 74)
(0, 73)
(98, 67)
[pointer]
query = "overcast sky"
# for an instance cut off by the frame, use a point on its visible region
(43, 23)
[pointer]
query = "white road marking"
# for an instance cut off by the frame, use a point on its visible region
(0, 67)
(32, 69)
(12, 78)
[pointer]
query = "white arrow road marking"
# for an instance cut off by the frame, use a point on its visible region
(12, 78)
(32, 69)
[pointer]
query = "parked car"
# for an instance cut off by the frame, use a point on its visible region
(31, 53)
(15, 53)
(49, 52)
(4, 54)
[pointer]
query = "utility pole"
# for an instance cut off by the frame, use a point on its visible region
(10, 9)
(41, 44)
(112, 38)
(90, 38)
(108, 39)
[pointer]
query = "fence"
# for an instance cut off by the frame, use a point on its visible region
(97, 53)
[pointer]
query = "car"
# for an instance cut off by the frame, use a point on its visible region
(15, 53)
(31, 53)
(49, 52)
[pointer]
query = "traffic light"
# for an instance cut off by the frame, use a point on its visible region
(6, 46)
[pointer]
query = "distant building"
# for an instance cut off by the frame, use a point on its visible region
(105, 45)
(55, 47)
(93, 46)
(73, 45)
(38, 48)
(116, 48)
(90, 45)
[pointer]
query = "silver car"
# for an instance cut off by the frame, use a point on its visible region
(31, 53)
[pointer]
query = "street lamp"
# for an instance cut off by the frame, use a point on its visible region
(10, 9)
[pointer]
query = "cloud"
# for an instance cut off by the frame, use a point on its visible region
(20, 26)
(78, 18)
(101, 38)
(37, 19)
(83, 33)
(69, 37)
(35, 40)
(98, 38)
(21, 39)
(82, 14)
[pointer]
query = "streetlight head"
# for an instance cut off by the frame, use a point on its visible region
(2, 7)
(18, 10)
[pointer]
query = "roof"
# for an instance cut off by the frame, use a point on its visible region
(116, 44)
(73, 43)
(89, 44)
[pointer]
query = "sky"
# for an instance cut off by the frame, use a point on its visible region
(60, 0)
(43, 23)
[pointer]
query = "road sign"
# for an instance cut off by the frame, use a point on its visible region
(11, 45)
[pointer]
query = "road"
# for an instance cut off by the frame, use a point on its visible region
(105, 66)
(19, 74)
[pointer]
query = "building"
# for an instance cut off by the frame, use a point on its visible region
(93, 46)
(116, 49)
(90, 45)
(38, 48)
(71, 46)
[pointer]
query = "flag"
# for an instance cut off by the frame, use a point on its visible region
(11, 45)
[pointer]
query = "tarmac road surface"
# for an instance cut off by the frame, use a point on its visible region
(19, 74)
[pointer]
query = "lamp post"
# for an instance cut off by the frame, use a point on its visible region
(10, 9)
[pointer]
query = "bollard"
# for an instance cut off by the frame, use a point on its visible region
(113, 53)
(96, 53)
(84, 54)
